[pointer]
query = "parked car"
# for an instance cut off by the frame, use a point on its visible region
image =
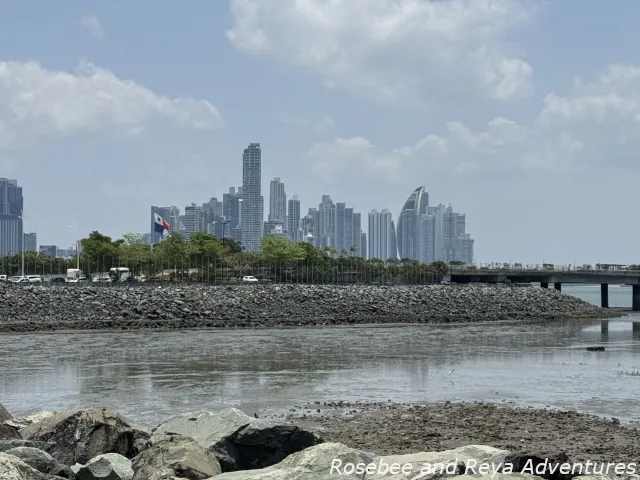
(34, 278)
(19, 279)
(3, 278)
(249, 279)
(58, 280)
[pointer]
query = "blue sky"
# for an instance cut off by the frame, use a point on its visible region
(521, 113)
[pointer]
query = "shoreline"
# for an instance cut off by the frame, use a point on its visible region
(31, 309)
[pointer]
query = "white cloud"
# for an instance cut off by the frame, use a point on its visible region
(321, 126)
(92, 24)
(36, 102)
(394, 50)
(595, 125)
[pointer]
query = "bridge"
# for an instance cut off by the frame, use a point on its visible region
(553, 277)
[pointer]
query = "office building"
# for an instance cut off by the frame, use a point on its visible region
(49, 250)
(380, 235)
(252, 214)
(11, 224)
(277, 201)
(231, 206)
(408, 234)
(192, 220)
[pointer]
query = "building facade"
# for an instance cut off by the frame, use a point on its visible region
(31, 242)
(277, 201)
(11, 224)
(252, 215)
(380, 235)
(408, 234)
(294, 232)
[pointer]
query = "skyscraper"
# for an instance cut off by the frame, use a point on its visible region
(231, 204)
(380, 235)
(252, 201)
(30, 242)
(408, 234)
(277, 201)
(11, 206)
(293, 219)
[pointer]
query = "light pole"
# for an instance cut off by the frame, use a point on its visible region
(75, 232)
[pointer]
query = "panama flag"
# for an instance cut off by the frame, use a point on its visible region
(161, 225)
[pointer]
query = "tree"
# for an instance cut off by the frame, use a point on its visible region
(100, 252)
(171, 252)
(133, 253)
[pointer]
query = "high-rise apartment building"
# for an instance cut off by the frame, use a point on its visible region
(192, 220)
(277, 201)
(11, 224)
(380, 235)
(408, 234)
(293, 220)
(252, 201)
(231, 205)
(30, 242)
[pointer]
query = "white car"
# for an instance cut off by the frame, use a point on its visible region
(249, 279)
(34, 278)
(19, 279)
(3, 278)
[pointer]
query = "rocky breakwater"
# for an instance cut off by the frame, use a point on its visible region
(30, 308)
(93, 444)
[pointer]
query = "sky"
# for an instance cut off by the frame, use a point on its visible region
(523, 114)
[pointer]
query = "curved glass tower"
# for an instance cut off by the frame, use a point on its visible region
(408, 235)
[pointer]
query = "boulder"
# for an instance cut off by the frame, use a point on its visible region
(238, 441)
(22, 422)
(4, 414)
(41, 461)
(78, 435)
(178, 456)
(9, 433)
(314, 463)
(531, 461)
(12, 468)
(455, 462)
(110, 466)
(9, 444)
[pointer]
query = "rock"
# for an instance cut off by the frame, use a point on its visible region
(4, 414)
(178, 456)
(238, 441)
(313, 463)
(22, 422)
(78, 435)
(531, 460)
(110, 466)
(41, 461)
(6, 445)
(459, 461)
(289, 305)
(12, 468)
(9, 433)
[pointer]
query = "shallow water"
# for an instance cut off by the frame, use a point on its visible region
(151, 375)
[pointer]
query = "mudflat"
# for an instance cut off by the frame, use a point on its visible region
(390, 428)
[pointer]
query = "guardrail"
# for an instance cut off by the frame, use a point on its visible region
(535, 268)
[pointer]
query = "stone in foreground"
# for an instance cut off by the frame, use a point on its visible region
(4, 414)
(110, 466)
(9, 433)
(12, 468)
(177, 456)
(238, 441)
(78, 435)
(41, 461)
(314, 463)
(23, 422)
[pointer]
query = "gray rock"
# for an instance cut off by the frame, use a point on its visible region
(529, 460)
(41, 461)
(78, 435)
(9, 433)
(4, 414)
(22, 422)
(12, 468)
(110, 466)
(239, 442)
(177, 456)
(6, 445)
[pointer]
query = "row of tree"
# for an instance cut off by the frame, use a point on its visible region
(204, 257)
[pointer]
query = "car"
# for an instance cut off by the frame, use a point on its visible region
(19, 279)
(58, 280)
(249, 279)
(34, 278)
(3, 278)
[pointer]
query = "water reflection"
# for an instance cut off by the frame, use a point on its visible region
(151, 375)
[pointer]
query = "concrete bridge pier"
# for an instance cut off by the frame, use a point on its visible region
(604, 326)
(544, 284)
(636, 330)
(635, 294)
(604, 295)
(558, 286)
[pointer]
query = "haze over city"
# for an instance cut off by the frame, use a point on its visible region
(532, 134)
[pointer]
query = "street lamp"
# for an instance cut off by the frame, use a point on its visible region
(75, 232)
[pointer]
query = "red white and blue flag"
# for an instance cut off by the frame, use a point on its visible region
(161, 225)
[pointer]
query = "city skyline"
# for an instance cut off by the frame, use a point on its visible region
(519, 113)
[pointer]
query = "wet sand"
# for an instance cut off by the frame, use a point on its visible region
(388, 428)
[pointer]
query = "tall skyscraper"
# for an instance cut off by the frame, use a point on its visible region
(293, 219)
(277, 201)
(192, 219)
(231, 205)
(252, 201)
(380, 235)
(11, 225)
(408, 234)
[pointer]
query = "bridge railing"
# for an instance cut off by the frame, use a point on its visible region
(541, 268)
